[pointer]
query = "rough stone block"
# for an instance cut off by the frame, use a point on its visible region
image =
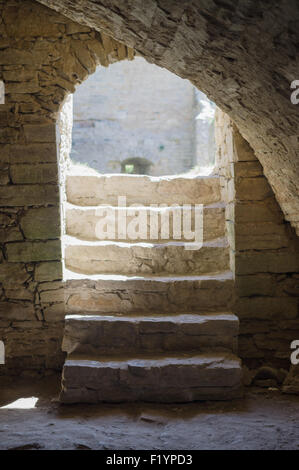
(149, 295)
(49, 271)
(10, 234)
(16, 310)
(258, 212)
(114, 257)
(95, 190)
(256, 284)
(41, 223)
(22, 87)
(52, 292)
(248, 169)
(283, 261)
(242, 149)
(169, 379)
(141, 334)
(13, 273)
(9, 135)
(29, 195)
(39, 173)
(4, 177)
(261, 236)
(33, 153)
(265, 308)
(248, 349)
(40, 132)
(252, 189)
(55, 312)
(5, 219)
(34, 251)
(19, 293)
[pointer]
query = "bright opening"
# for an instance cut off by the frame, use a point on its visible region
(137, 118)
(22, 404)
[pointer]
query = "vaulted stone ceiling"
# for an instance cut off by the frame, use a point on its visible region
(242, 54)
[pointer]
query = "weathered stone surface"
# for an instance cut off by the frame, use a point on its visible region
(82, 223)
(19, 293)
(252, 189)
(255, 284)
(4, 177)
(54, 294)
(10, 234)
(38, 173)
(5, 219)
(55, 312)
(16, 311)
(40, 132)
(34, 251)
(247, 169)
(277, 341)
(136, 334)
(13, 273)
(149, 295)
(33, 153)
(42, 26)
(258, 212)
(291, 383)
(144, 258)
(41, 223)
(267, 261)
(50, 271)
(266, 307)
(169, 379)
(9, 135)
(95, 190)
(29, 195)
(261, 236)
(27, 87)
(35, 347)
(242, 151)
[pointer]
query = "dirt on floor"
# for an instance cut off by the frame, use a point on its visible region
(263, 419)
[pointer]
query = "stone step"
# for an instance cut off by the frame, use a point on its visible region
(168, 379)
(144, 190)
(105, 257)
(117, 335)
(85, 222)
(142, 295)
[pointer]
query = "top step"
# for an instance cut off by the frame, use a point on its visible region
(139, 189)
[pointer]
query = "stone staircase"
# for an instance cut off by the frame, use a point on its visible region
(147, 320)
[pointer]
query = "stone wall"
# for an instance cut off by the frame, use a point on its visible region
(43, 56)
(264, 253)
(135, 110)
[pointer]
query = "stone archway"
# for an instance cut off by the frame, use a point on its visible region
(217, 46)
(40, 73)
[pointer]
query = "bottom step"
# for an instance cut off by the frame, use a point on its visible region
(151, 379)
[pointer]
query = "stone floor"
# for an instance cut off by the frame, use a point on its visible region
(264, 419)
